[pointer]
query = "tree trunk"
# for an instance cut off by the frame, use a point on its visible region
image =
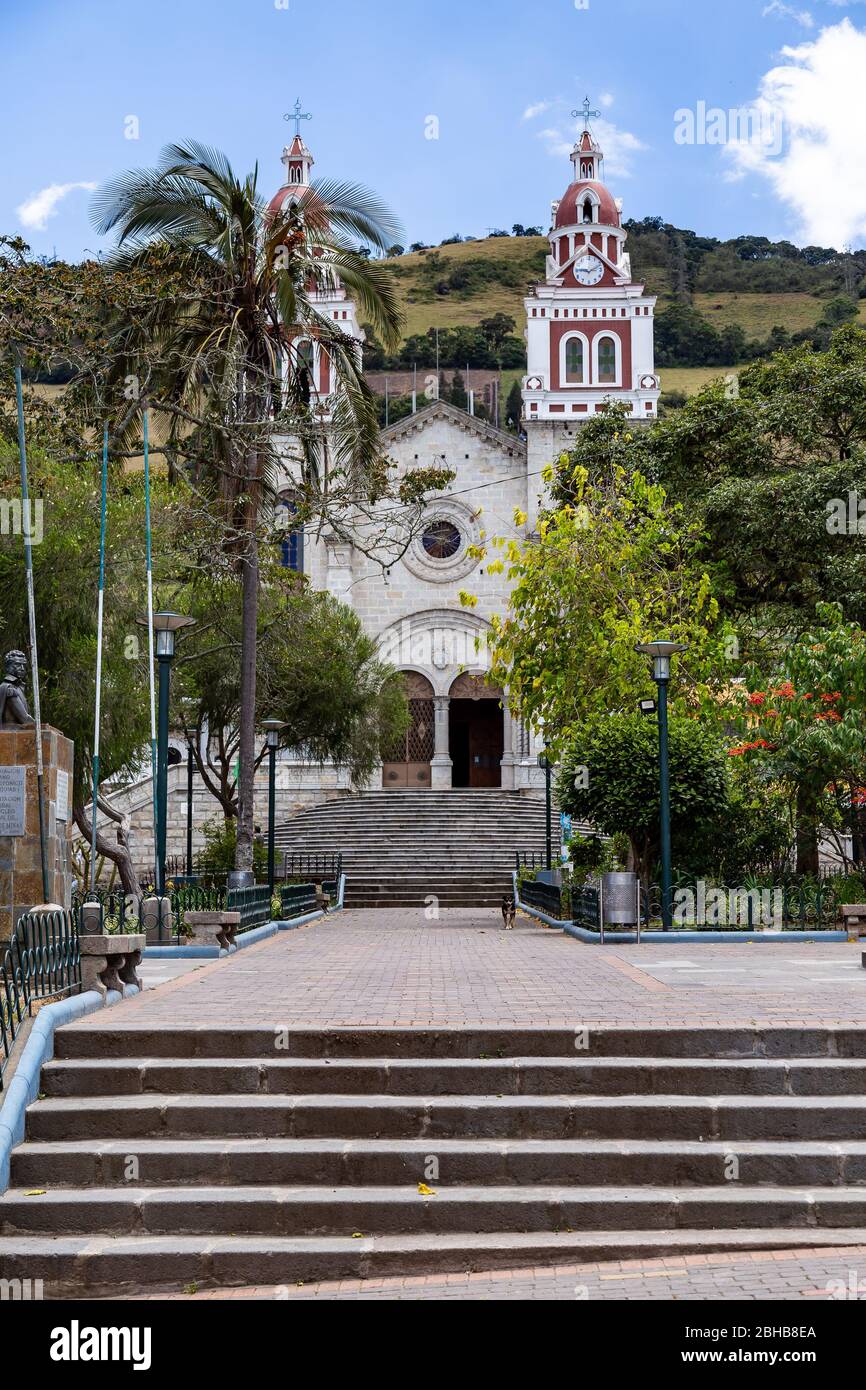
(118, 853)
(247, 720)
(807, 834)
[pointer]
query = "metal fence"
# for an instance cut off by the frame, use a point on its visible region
(253, 904)
(312, 867)
(814, 906)
(546, 896)
(42, 960)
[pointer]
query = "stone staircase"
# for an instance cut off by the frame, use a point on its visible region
(221, 1157)
(401, 847)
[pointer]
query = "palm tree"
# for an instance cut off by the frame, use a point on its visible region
(214, 354)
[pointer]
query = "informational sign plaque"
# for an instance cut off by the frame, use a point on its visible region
(12, 800)
(62, 812)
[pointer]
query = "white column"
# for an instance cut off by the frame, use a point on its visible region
(440, 767)
(508, 781)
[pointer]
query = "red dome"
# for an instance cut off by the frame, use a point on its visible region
(293, 192)
(567, 214)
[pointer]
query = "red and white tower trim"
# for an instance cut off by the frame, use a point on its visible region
(334, 303)
(589, 326)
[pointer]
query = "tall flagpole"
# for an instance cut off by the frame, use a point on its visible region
(31, 615)
(99, 617)
(150, 659)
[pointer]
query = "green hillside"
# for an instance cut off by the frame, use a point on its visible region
(720, 303)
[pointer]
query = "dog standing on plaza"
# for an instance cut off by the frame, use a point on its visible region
(509, 911)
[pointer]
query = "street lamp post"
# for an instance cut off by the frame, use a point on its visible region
(189, 792)
(165, 626)
(273, 728)
(544, 761)
(661, 653)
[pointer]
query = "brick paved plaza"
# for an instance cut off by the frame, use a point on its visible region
(396, 968)
(779, 1276)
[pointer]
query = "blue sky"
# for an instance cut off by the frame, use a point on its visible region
(500, 76)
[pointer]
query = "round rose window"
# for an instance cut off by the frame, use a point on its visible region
(442, 540)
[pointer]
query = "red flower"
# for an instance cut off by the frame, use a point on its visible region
(757, 698)
(786, 691)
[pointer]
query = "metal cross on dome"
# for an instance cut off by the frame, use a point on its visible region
(297, 116)
(587, 112)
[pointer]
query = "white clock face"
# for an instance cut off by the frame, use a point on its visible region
(588, 270)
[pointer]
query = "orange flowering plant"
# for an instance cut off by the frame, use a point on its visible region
(807, 727)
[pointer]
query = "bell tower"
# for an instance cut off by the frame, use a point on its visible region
(589, 326)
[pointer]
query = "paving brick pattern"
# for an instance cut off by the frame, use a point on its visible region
(397, 968)
(786, 1275)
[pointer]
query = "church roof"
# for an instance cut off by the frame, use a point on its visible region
(470, 424)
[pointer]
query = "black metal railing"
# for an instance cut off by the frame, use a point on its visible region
(546, 896)
(529, 859)
(253, 904)
(298, 898)
(42, 960)
(312, 867)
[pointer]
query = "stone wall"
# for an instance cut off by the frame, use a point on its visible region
(20, 855)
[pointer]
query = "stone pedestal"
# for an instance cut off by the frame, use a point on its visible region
(224, 925)
(20, 860)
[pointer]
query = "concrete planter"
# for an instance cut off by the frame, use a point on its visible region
(109, 963)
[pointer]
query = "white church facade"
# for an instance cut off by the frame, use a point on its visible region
(589, 333)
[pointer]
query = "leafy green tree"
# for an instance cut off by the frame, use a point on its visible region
(514, 407)
(616, 566)
(318, 672)
(610, 777)
(458, 394)
(65, 576)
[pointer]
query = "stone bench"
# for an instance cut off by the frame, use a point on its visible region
(110, 961)
(204, 924)
(854, 918)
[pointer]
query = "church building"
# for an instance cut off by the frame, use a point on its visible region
(589, 333)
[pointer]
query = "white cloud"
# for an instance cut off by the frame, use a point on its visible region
(816, 94)
(35, 211)
(779, 10)
(619, 146)
(535, 110)
(606, 99)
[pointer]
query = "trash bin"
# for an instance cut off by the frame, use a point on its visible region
(619, 899)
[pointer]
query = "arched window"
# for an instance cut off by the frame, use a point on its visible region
(305, 366)
(587, 210)
(574, 361)
(607, 361)
(291, 540)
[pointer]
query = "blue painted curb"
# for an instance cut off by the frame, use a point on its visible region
(661, 938)
(24, 1086)
(248, 938)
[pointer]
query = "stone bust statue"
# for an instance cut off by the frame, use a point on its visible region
(13, 702)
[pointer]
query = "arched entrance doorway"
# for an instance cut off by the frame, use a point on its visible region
(407, 764)
(475, 733)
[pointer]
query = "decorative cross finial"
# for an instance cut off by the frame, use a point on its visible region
(587, 113)
(297, 116)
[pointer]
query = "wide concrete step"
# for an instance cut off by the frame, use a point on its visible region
(104, 1264)
(478, 1077)
(321, 1211)
(587, 1043)
(729, 1118)
(381, 1162)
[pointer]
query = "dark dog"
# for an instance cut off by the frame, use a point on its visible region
(509, 912)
